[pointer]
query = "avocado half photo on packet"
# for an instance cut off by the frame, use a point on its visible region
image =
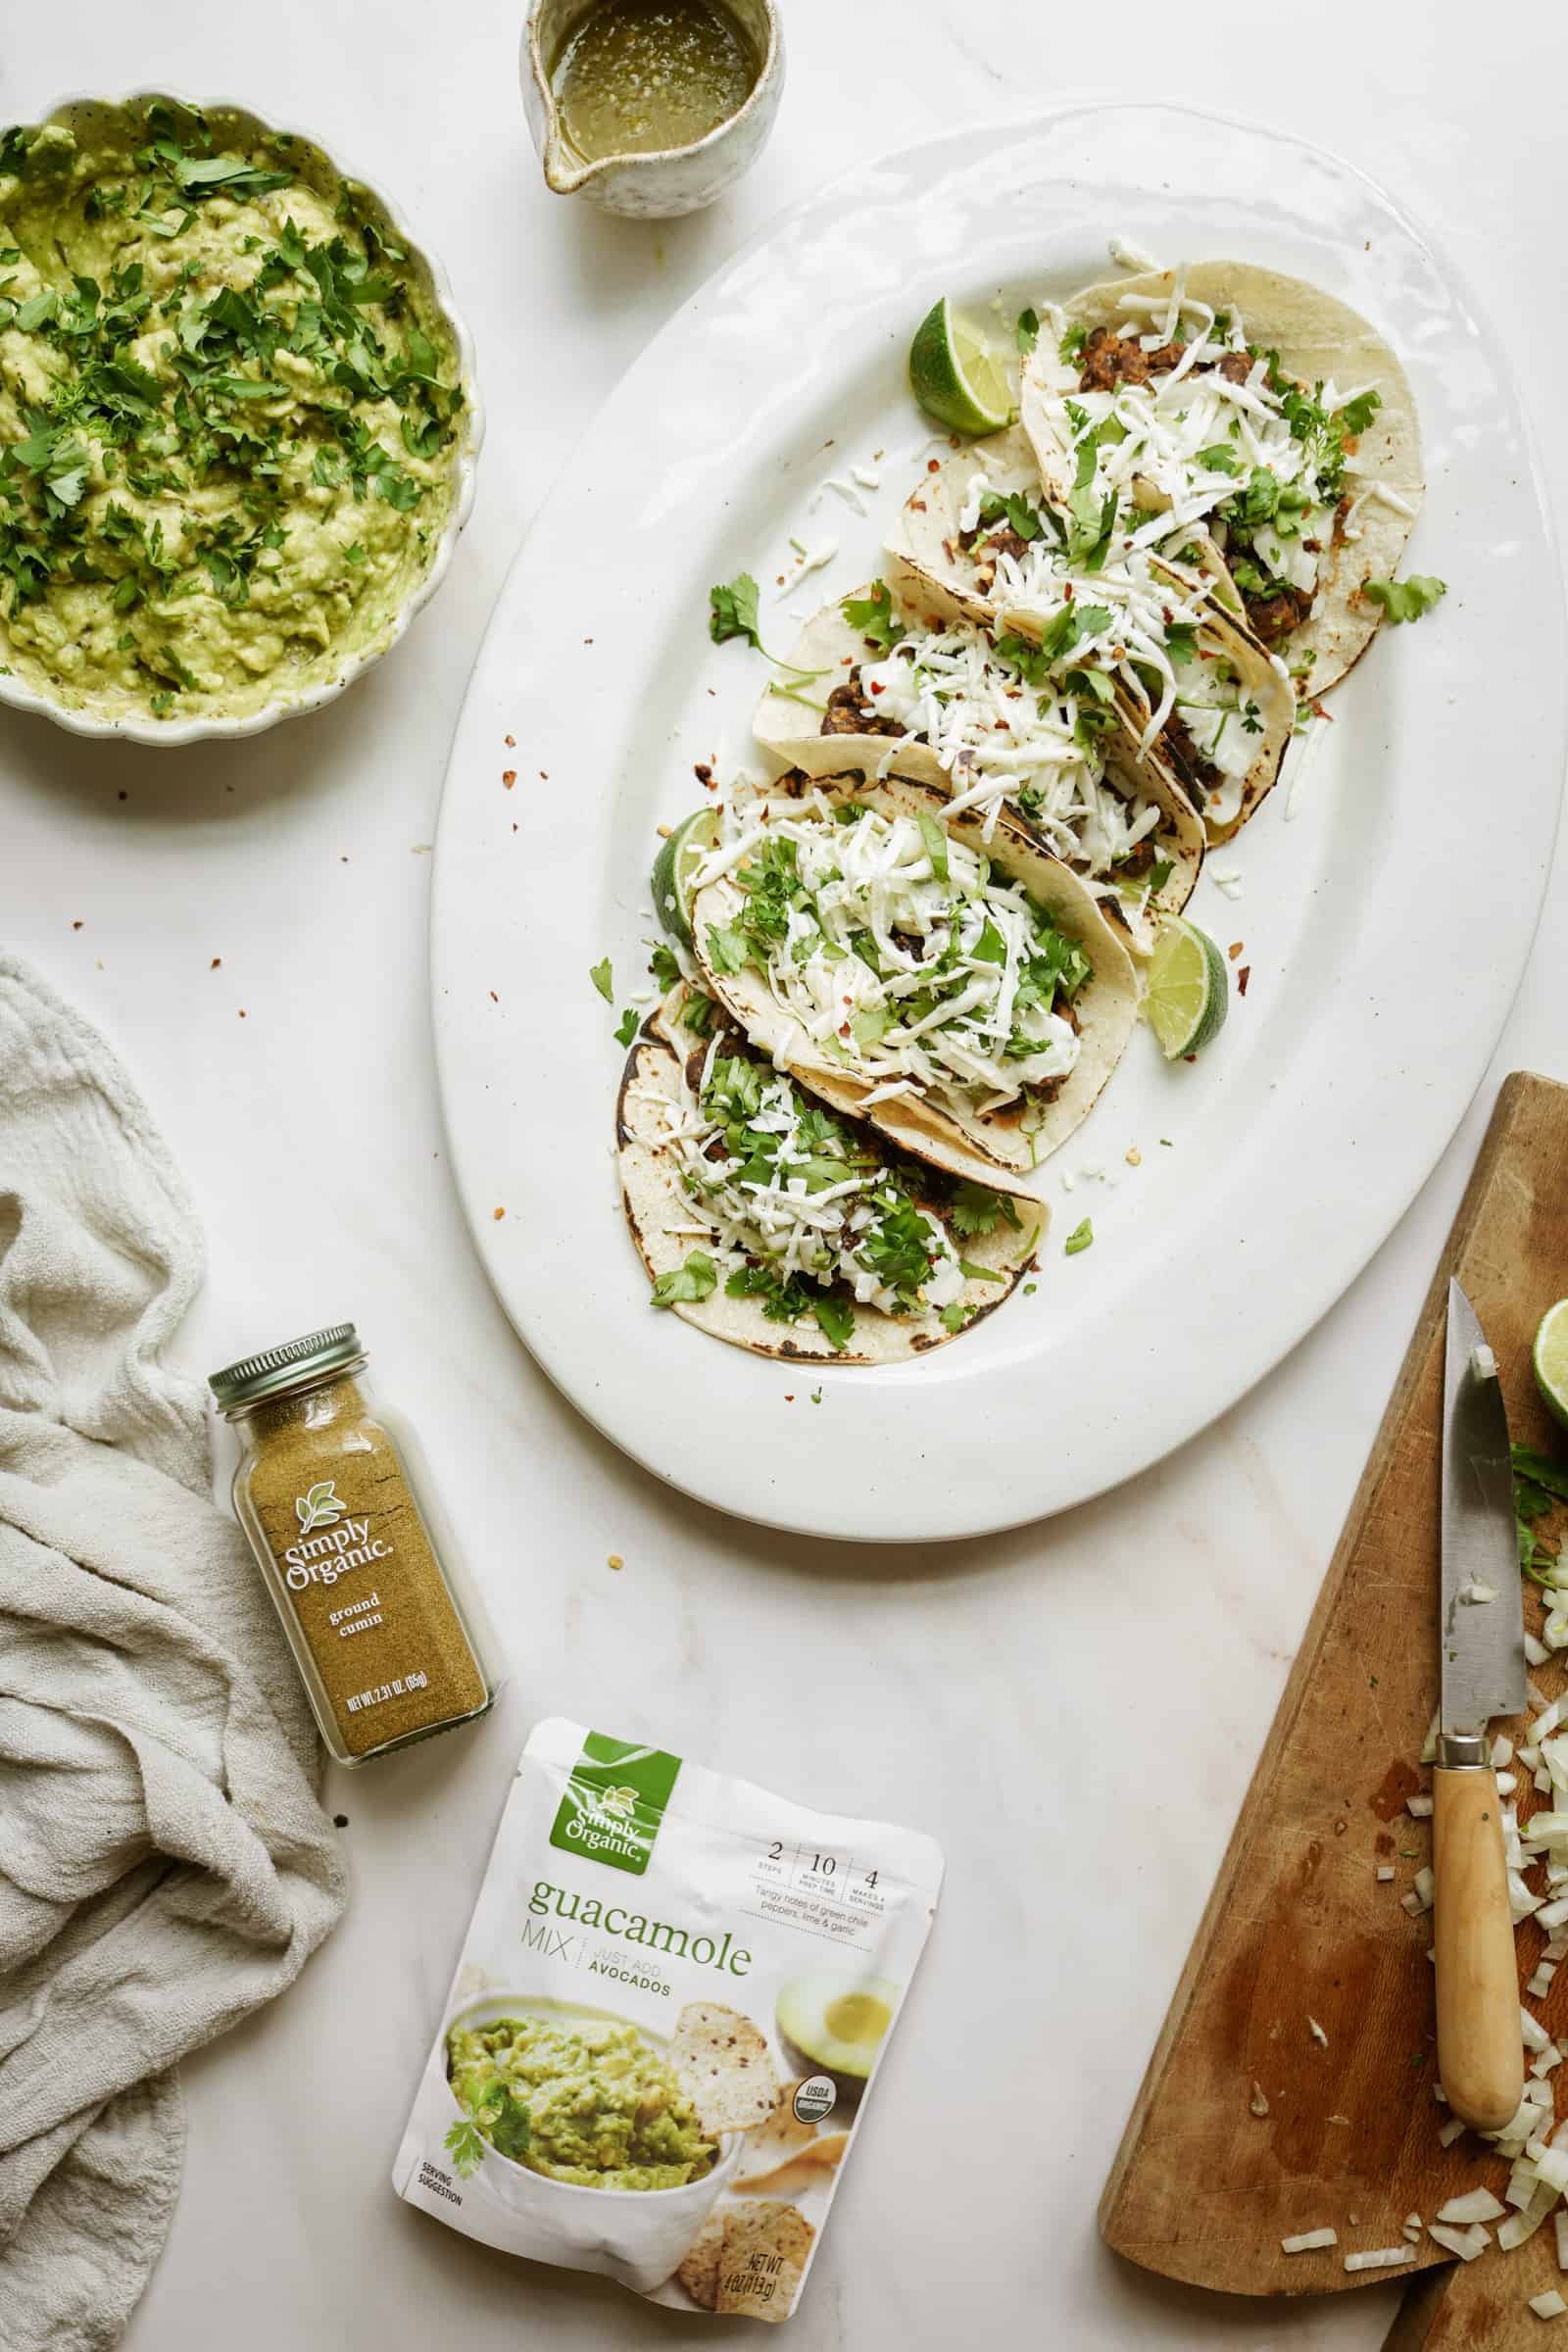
(647, 2065)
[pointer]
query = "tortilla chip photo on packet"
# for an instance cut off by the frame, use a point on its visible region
(675, 1993)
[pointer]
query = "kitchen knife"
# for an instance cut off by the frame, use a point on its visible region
(1480, 2053)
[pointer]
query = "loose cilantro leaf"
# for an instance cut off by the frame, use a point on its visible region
(733, 611)
(1081, 1238)
(600, 975)
(626, 1027)
(975, 1211)
(871, 616)
(467, 2143)
(664, 964)
(1218, 457)
(1028, 330)
(1356, 415)
(693, 1281)
(1071, 347)
(1160, 873)
(1406, 599)
(974, 1273)
(835, 1320)
(726, 947)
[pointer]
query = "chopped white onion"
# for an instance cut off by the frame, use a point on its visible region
(1380, 2258)
(1466, 2243)
(1550, 2306)
(1310, 2241)
(1476, 2205)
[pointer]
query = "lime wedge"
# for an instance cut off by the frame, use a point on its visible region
(956, 375)
(1188, 994)
(1550, 1359)
(677, 860)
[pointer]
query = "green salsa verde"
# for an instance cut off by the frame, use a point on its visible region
(583, 2100)
(637, 76)
(229, 414)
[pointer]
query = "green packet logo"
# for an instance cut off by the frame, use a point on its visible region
(613, 1802)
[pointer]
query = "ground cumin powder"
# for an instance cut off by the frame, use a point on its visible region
(361, 1574)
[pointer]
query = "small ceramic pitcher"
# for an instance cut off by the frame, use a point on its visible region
(666, 180)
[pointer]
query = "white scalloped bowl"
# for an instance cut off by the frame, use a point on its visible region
(129, 726)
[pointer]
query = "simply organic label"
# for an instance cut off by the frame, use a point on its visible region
(346, 1543)
(613, 1802)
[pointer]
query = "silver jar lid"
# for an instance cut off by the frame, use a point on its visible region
(277, 1369)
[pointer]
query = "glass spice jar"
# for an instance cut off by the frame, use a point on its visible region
(361, 1566)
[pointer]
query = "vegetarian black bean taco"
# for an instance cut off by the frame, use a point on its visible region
(783, 1227)
(1061, 560)
(1256, 406)
(968, 998)
(999, 724)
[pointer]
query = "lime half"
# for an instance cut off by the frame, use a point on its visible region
(956, 375)
(677, 860)
(1550, 1359)
(1188, 994)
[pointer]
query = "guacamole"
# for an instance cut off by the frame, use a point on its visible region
(578, 2099)
(231, 411)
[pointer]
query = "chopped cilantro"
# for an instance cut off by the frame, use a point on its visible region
(871, 617)
(975, 1211)
(1028, 330)
(693, 1281)
(726, 947)
(664, 964)
(1071, 347)
(956, 1316)
(1406, 599)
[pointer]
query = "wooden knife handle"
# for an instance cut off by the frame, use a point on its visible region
(1480, 2053)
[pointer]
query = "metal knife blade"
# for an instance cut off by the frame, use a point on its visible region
(1481, 1639)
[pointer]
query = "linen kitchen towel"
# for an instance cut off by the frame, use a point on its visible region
(165, 1867)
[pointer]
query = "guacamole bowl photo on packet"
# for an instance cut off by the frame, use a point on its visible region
(239, 422)
(675, 1996)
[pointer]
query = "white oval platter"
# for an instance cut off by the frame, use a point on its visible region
(1384, 897)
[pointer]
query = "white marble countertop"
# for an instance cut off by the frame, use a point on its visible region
(1073, 1709)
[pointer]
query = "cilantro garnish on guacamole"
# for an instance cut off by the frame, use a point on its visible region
(229, 411)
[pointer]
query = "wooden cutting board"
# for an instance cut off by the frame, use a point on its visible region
(1298, 1925)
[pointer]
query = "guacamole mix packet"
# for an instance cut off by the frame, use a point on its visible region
(674, 1996)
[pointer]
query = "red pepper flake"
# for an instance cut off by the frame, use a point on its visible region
(844, 1028)
(494, 999)
(704, 774)
(511, 743)
(509, 777)
(242, 1013)
(1317, 708)
(498, 1214)
(933, 464)
(789, 1396)
(1234, 949)
(876, 689)
(76, 926)
(1242, 978)
(917, 505)
(217, 961)
(543, 775)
